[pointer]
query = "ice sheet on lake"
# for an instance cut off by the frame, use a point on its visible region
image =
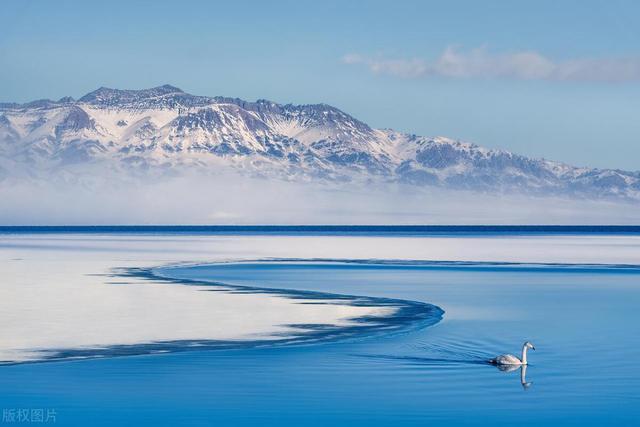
(56, 291)
(57, 294)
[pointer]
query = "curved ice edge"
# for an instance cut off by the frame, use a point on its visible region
(445, 264)
(408, 315)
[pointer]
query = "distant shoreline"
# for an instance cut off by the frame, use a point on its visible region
(324, 229)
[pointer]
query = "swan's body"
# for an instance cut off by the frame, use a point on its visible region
(510, 359)
(507, 359)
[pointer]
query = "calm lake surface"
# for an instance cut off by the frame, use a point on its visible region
(584, 322)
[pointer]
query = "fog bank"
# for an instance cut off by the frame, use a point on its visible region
(232, 199)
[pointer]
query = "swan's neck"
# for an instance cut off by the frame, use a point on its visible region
(524, 354)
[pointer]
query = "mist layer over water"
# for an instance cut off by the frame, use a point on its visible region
(236, 199)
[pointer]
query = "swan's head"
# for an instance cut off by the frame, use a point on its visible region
(529, 345)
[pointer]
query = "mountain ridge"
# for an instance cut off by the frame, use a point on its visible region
(168, 130)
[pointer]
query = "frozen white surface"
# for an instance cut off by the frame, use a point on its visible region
(54, 295)
(605, 249)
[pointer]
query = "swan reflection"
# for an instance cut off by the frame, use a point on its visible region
(523, 373)
(438, 362)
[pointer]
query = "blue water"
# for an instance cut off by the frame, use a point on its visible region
(406, 230)
(583, 321)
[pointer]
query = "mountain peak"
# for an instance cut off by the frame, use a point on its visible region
(108, 96)
(168, 89)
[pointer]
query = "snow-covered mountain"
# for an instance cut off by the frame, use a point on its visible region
(165, 130)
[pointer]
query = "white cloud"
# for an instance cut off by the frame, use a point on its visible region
(522, 65)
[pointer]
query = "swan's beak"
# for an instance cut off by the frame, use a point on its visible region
(532, 347)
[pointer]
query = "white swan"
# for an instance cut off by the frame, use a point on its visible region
(510, 359)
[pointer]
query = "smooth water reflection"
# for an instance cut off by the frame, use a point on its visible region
(583, 372)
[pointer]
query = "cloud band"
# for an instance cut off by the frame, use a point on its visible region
(523, 65)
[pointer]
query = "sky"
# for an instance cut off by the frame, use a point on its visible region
(559, 80)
